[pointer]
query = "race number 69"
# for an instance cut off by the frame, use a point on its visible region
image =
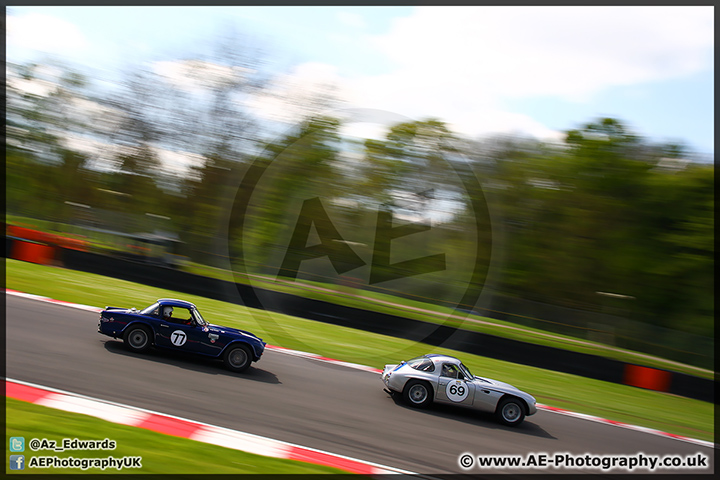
(457, 391)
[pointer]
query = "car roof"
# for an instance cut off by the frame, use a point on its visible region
(173, 302)
(437, 357)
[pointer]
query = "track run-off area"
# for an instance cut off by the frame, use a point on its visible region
(335, 412)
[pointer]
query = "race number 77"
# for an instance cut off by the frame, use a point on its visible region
(178, 338)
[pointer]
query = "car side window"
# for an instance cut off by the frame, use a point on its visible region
(182, 315)
(422, 364)
(449, 370)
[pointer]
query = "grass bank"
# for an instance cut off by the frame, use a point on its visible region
(389, 304)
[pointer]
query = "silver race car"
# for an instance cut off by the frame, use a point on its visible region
(445, 379)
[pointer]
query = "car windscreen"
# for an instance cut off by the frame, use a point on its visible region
(423, 364)
(150, 309)
(198, 318)
(466, 371)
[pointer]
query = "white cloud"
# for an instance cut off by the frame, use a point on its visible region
(461, 64)
(102, 155)
(569, 52)
(41, 88)
(364, 131)
(44, 33)
(494, 121)
(197, 76)
(309, 89)
(179, 162)
(365, 123)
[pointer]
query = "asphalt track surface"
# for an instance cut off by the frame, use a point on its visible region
(297, 400)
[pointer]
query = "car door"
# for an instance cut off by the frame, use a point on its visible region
(453, 387)
(177, 334)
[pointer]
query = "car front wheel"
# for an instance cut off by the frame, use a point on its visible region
(137, 339)
(237, 358)
(417, 394)
(510, 411)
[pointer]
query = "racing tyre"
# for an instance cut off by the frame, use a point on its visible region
(510, 411)
(237, 358)
(417, 394)
(137, 338)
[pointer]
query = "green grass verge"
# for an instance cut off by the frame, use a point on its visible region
(652, 409)
(432, 313)
(160, 453)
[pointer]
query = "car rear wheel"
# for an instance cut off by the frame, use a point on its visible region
(237, 358)
(510, 411)
(137, 338)
(417, 393)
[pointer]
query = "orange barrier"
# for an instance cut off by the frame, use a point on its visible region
(44, 237)
(646, 377)
(33, 252)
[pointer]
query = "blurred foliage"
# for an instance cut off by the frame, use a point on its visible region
(610, 213)
(603, 211)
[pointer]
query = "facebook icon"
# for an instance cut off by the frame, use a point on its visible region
(17, 462)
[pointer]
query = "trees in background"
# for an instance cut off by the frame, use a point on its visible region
(609, 213)
(603, 211)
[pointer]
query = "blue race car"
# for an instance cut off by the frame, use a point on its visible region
(177, 325)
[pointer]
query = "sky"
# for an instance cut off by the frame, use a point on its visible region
(534, 71)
